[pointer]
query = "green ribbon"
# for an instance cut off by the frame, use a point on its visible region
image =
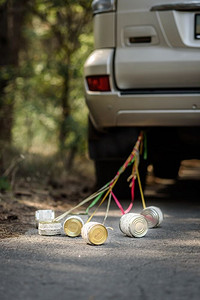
(94, 202)
(145, 146)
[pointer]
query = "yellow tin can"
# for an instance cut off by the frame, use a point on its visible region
(94, 233)
(72, 226)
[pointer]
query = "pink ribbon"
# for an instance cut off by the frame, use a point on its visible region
(132, 199)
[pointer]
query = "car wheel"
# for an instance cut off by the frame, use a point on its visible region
(109, 150)
(164, 151)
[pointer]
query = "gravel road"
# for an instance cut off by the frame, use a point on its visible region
(165, 264)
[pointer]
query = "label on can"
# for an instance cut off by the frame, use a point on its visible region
(72, 226)
(49, 228)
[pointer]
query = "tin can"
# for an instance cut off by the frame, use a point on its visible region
(133, 225)
(72, 226)
(44, 215)
(49, 228)
(94, 233)
(153, 215)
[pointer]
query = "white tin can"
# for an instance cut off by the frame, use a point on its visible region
(153, 215)
(133, 225)
(72, 226)
(49, 228)
(44, 215)
(94, 233)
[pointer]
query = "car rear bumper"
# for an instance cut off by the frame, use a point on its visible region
(116, 109)
(152, 107)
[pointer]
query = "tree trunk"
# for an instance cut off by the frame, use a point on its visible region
(12, 14)
(65, 105)
(65, 112)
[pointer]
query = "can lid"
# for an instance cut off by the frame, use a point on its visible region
(159, 212)
(151, 215)
(138, 226)
(44, 215)
(98, 234)
(72, 227)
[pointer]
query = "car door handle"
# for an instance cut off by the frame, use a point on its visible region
(185, 6)
(140, 34)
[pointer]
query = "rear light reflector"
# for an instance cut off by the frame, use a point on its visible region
(101, 6)
(98, 83)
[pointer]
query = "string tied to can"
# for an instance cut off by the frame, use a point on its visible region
(132, 159)
(107, 190)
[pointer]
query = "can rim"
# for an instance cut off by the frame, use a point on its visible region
(49, 222)
(103, 237)
(77, 231)
(145, 227)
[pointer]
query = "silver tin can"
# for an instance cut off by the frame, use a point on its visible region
(133, 225)
(49, 228)
(44, 215)
(153, 215)
(94, 233)
(72, 226)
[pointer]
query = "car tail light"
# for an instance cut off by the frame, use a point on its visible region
(99, 6)
(98, 83)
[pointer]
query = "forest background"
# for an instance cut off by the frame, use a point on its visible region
(43, 116)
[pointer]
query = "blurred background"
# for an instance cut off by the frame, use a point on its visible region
(43, 116)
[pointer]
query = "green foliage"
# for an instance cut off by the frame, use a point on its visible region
(57, 41)
(4, 184)
(7, 72)
(2, 2)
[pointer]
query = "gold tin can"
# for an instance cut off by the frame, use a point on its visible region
(43, 215)
(133, 225)
(49, 228)
(94, 233)
(153, 215)
(72, 226)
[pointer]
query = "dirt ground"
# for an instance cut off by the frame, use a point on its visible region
(17, 208)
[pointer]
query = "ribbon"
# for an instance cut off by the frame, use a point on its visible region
(94, 202)
(109, 186)
(145, 146)
(104, 198)
(81, 203)
(107, 209)
(117, 202)
(132, 196)
(140, 186)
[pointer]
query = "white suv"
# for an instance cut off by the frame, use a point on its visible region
(144, 73)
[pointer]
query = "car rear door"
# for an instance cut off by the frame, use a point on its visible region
(157, 44)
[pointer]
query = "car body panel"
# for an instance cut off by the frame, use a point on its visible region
(137, 108)
(154, 82)
(155, 49)
(149, 50)
(104, 38)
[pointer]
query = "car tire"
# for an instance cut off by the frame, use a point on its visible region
(166, 168)
(109, 150)
(164, 151)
